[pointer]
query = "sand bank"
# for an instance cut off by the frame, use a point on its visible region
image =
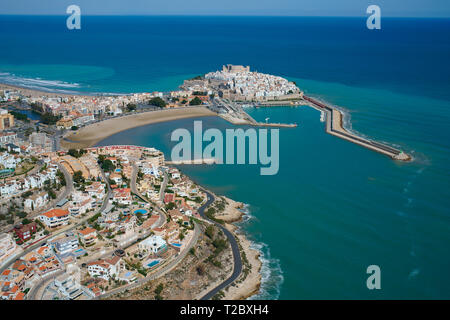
(94, 133)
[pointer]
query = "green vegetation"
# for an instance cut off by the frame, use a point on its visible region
(48, 118)
(78, 177)
(106, 164)
(28, 131)
(27, 194)
(210, 231)
(131, 107)
(158, 291)
(219, 243)
(76, 153)
(36, 107)
(170, 206)
(62, 178)
(19, 116)
(195, 102)
(219, 295)
(210, 214)
(158, 102)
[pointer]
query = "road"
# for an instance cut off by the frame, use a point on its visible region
(237, 269)
(163, 186)
(162, 216)
(108, 193)
(161, 271)
(171, 264)
(34, 290)
(69, 183)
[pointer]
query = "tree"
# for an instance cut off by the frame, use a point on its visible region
(76, 153)
(28, 131)
(131, 107)
(108, 165)
(158, 102)
(170, 206)
(195, 102)
(48, 118)
(21, 214)
(78, 177)
(158, 291)
(62, 178)
(52, 194)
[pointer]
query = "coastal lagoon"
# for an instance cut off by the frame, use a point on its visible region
(334, 208)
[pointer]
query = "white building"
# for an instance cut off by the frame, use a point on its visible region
(36, 201)
(55, 218)
(7, 246)
(68, 286)
(105, 269)
(153, 244)
(65, 245)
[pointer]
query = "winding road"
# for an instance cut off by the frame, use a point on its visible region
(237, 269)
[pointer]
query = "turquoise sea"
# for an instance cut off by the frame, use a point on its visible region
(334, 208)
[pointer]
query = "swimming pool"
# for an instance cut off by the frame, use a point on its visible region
(141, 211)
(176, 244)
(118, 170)
(79, 252)
(153, 263)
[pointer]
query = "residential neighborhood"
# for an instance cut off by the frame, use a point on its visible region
(125, 216)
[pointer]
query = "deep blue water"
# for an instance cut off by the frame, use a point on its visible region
(123, 54)
(334, 208)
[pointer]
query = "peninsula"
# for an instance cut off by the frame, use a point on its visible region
(119, 222)
(221, 93)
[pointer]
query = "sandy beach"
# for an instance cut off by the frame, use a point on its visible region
(94, 133)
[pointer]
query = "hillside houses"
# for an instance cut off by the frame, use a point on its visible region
(14, 186)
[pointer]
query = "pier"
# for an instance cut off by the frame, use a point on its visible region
(236, 115)
(334, 126)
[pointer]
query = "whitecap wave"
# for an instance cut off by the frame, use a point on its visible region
(414, 273)
(271, 274)
(247, 213)
(38, 83)
(51, 86)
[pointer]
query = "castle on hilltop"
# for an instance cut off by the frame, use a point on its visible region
(235, 69)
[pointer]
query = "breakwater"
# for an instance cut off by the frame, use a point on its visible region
(335, 127)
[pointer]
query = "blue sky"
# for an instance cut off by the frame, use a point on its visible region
(397, 8)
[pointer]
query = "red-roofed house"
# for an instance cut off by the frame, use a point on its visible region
(105, 268)
(55, 218)
(24, 232)
(87, 236)
(169, 197)
(122, 196)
